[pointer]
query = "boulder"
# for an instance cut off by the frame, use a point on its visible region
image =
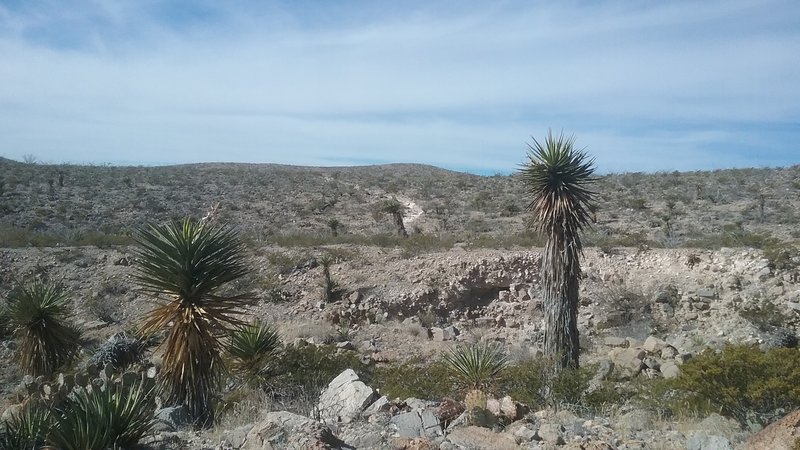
(700, 440)
(780, 435)
(417, 423)
(287, 431)
(345, 398)
(171, 418)
(477, 438)
(670, 370)
(653, 344)
(627, 361)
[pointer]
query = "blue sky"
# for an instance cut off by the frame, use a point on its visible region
(643, 86)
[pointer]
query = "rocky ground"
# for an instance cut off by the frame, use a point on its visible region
(643, 313)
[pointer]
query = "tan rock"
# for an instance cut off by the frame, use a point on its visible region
(478, 438)
(780, 435)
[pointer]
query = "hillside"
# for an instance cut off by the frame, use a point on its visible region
(679, 267)
(50, 204)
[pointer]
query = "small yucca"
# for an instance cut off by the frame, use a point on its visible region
(26, 430)
(476, 365)
(38, 313)
(118, 417)
(252, 349)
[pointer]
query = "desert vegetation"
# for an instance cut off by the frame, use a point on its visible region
(122, 300)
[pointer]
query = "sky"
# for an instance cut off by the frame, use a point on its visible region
(460, 84)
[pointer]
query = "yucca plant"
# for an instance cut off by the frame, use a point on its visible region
(38, 313)
(330, 288)
(557, 178)
(117, 417)
(252, 349)
(475, 366)
(25, 430)
(396, 209)
(185, 265)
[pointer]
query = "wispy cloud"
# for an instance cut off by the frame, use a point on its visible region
(654, 86)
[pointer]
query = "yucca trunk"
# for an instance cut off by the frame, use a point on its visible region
(398, 223)
(557, 178)
(560, 275)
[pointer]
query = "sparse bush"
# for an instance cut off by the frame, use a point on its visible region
(741, 382)
(418, 379)
(303, 371)
(47, 339)
(121, 350)
(535, 383)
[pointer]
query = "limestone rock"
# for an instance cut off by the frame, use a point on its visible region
(171, 418)
(703, 441)
(345, 398)
(477, 438)
(653, 344)
(287, 431)
(417, 423)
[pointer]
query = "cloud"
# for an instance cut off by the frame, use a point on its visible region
(459, 85)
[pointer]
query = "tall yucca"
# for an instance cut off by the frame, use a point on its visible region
(185, 265)
(38, 312)
(557, 178)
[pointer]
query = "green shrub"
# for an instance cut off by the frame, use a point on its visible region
(46, 338)
(431, 381)
(311, 368)
(741, 382)
(535, 383)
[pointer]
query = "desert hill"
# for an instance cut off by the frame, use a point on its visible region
(676, 264)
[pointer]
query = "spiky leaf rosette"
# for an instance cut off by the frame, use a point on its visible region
(185, 265)
(117, 417)
(26, 429)
(476, 365)
(38, 312)
(557, 178)
(253, 349)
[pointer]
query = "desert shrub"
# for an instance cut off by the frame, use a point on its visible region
(607, 240)
(101, 419)
(25, 430)
(38, 311)
(310, 368)
(415, 378)
(782, 256)
(476, 366)
(525, 239)
(766, 316)
(535, 383)
(121, 350)
(741, 382)
(730, 236)
(252, 349)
